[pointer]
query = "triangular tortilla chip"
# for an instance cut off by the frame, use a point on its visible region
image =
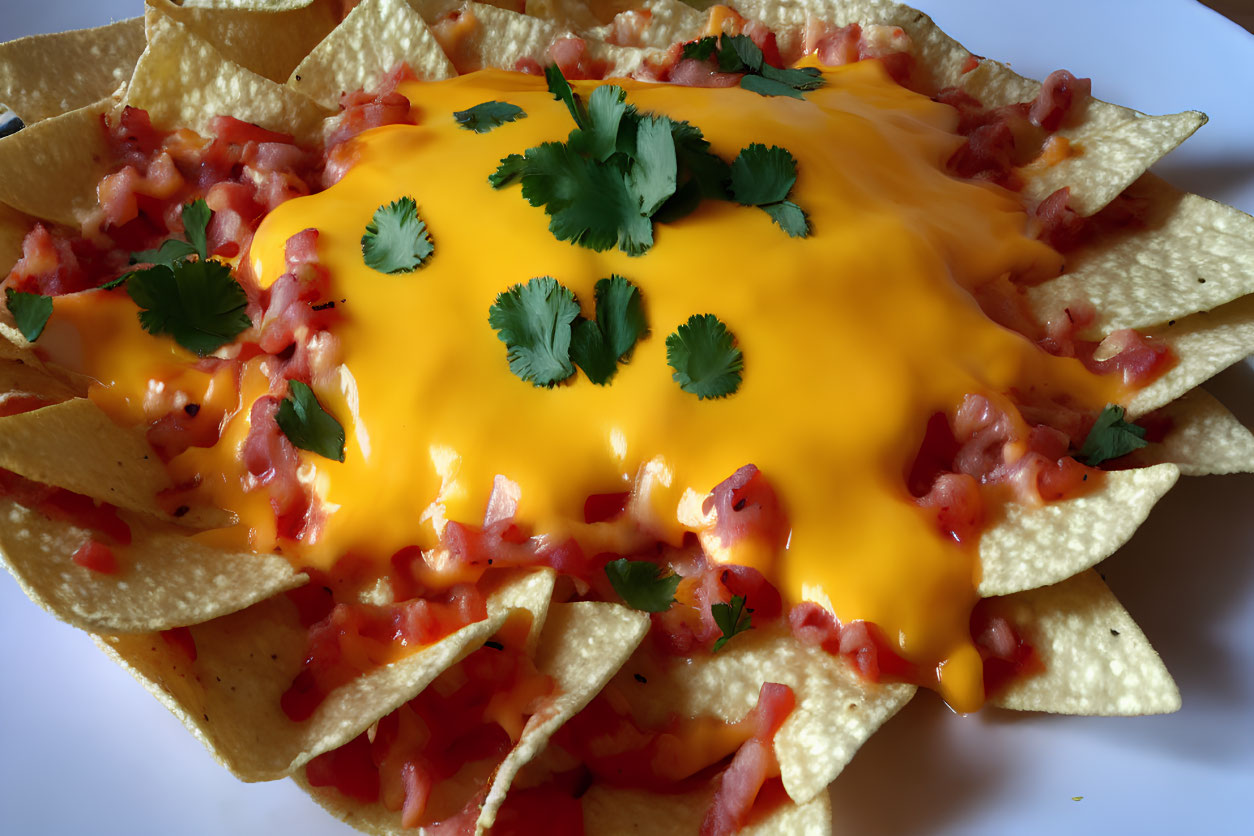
(1205, 344)
(52, 167)
(165, 579)
(13, 228)
(269, 37)
(229, 697)
(1205, 438)
(837, 710)
(1097, 660)
(1192, 255)
(651, 23)
(582, 645)
(1032, 547)
(609, 811)
(35, 81)
(377, 34)
(181, 80)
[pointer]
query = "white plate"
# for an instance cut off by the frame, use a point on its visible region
(84, 750)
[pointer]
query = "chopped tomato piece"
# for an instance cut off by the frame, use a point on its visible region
(181, 639)
(96, 557)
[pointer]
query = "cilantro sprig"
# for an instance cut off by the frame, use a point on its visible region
(617, 173)
(307, 425)
(732, 618)
(31, 311)
(705, 358)
(484, 117)
(739, 54)
(643, 585)
(545, 336)
(1111, 437)
(197, 303)
(763, 177)
(396, 239)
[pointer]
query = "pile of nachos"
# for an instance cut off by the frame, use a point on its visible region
(592, 418)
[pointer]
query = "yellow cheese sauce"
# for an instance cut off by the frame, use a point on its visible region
(852, 338)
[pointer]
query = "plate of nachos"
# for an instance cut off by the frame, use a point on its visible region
(741, 632)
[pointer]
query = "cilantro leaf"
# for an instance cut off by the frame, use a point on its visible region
(701, 49)
(764, 86)
(510, 169)
(396, 239)
(731, 619)
(1111, 437)
(597, 346)
(798, 78)
(642, 584)
(307, 425)
(198, 303)
(789, 217)
(703, 354)
(196, 216)
(30, 311)
(607, 107)
(534, 321)
(655, 173)
(171, 250)
(761, 175)
(560, 88)
(739, 54)
(588, 204)
(484, 117)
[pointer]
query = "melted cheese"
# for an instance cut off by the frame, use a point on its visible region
(852, 338)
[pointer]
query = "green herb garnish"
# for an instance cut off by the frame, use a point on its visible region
(642, 584)
(598, 345)
(307, 425)
(739, 54)
(30, 311)
(198, 303)
(732, 619)
(396, 239)
(763, 177)
(534, 321)
(196, 217)
(705, 358)
(484, 117)
(1111, 437)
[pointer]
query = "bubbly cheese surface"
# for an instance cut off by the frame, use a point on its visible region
(852, 338)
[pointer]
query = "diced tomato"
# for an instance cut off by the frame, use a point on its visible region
(270, 457)
(959, 507)
(232, 130)
(600, 507)
(1059, 225)
(96, 557)
(17, 403)
(689, 72)
(60, 504)
(350, 769)
(1007, 655)
(745, 504)
(1060, 93)
(545, 810)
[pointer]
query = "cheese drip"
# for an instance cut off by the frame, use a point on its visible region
(852, 338)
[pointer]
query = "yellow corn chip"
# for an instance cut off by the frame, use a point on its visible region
(1205, 438)
(165, 578)
(229, 695)
(377, 34)
(1097, 660)
(33, 80)
(1033, 547)
(52, 167)
(182, 80)
(1192, 255)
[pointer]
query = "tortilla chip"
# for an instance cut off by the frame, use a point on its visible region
(1134, 147)
(13, 228)
(166, 579)
(661, 23)
(229, 696)
(51, 168)
(1205, 344)
(583, 646)
(1192, 255)
(1205, 438)
(610, 811)
(182, 80)
(268, 37)
(1033, 547)
(34, 79)
(837, 710)
(1116, 160)
(377, 34)
(1097, 660)
(23, 376)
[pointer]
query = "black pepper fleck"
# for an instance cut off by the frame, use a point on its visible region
(191, 409)
(640, 679)
(494, 645)
(181, 511)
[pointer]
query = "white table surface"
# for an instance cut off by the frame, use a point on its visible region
(84, 750)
